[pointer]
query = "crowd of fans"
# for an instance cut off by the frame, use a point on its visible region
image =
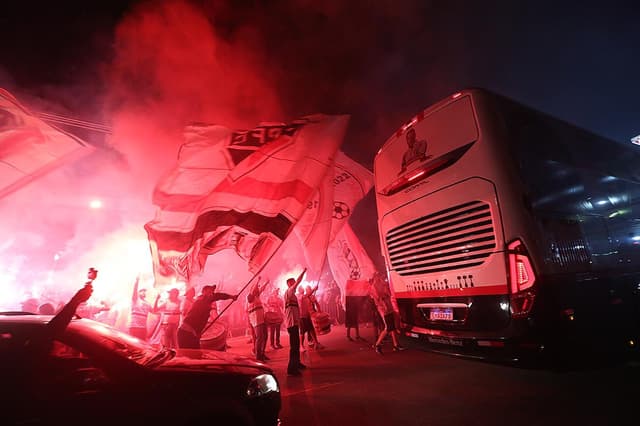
(179, 320)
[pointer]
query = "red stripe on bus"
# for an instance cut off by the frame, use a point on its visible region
(470, 291)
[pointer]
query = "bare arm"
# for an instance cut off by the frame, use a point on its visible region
(63, 318)
(299, 280)
(255, 288)
(265, 285)
(157, 308)
(224, 296)
(134, 296)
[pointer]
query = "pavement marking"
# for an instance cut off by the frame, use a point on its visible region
(312, 388)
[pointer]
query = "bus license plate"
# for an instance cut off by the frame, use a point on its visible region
(441, 314)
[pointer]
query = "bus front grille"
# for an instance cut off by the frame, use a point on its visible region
(453, 238)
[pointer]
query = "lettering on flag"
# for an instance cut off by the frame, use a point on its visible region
(314, 227)
(348, 259)
(29, 147)
(332, 205)
(351, 182)
(239, 189)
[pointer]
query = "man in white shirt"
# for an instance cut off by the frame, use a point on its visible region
(292, 321)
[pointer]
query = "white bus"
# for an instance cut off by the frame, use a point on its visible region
(503, 227)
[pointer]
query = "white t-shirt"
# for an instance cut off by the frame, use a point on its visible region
(291, 308)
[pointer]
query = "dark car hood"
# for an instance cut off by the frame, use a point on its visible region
(208, 360)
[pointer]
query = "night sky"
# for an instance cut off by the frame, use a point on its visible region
(380, 61)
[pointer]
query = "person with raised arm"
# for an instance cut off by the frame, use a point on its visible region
(194, 323)
(292, 320)
(312, 307)
(21, 360)
(61, 320)
(140, 309)
(255, 310)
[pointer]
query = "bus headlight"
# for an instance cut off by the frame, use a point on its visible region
(262, 384)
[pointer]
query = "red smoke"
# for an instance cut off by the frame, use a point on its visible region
(171, 68)
(231, 64)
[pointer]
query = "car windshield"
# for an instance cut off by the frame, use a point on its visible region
(121, 343)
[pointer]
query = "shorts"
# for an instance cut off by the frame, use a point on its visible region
(390, 322)
(306, 325)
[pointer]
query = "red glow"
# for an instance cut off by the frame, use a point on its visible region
(521, 273)
(169, 68)
(416, 175)
(422, 172)
(491, 343)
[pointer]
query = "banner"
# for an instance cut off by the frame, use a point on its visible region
(348, 259)
(238, 189)
(314, 227)
(29, 147)
(331, 207)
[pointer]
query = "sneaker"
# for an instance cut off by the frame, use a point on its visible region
(378, 349)
(349, 338)
(398, 348)
(279, 346)
(301, 366)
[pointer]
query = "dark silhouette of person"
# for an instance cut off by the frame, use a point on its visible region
(30, 351)
(26, 370)
(194, 323)
(187, 302)
(292, 321)
(46, 309)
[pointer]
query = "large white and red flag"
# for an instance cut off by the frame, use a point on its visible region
(330, 208)
(348, 259)
(29, 147)
(351, 267)
(238, 189)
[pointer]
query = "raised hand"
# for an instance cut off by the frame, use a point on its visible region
(83, 294)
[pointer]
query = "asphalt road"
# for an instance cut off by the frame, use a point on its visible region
(347, 383)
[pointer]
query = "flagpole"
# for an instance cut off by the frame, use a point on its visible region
(246, 285)
(324, 262)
